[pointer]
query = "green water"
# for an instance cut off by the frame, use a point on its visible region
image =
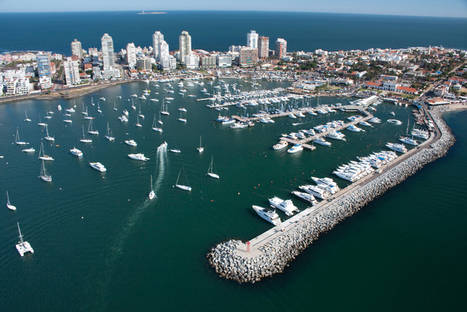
(100, 246)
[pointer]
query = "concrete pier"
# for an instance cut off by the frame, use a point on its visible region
(270, 252)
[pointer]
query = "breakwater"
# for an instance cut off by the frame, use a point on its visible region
(277, 247)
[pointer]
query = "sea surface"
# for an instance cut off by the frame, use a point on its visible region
(217, 30)
(100, 245)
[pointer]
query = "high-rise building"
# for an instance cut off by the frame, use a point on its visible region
(157, 39)
(192, 61)
(107, 52)
(281, 48)
(184, 43)
(224, 60)
(131, 55)
(263, 47)
(164, 53)
(248, 57)
(77, 49)
(71, 72)
(252, 39)
(44, 70)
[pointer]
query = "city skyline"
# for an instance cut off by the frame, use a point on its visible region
(449, 8)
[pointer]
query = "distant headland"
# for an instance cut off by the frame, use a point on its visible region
(150, 12)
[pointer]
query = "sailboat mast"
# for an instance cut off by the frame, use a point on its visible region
(19, 232)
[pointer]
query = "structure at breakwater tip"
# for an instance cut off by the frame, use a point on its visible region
(273, 250)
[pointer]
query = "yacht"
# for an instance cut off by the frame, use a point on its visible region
(397, 147)
(69, 121)
(152, 194)
(326, 184)
(43, 175)
(419, 133)
(8, 204)
(281, 145)
(84, 140)
(23, 246)
(131, 143)
(375, 120)
(182, 109)
(269, 215)
(364, 123)
(138, 156)
(76, 152)
(395, 122)
(42, 154)
(354, 128)
(200, 148)
(408, 140)
(295, 149)
(211, 170)
(91, 130)
(176, 151)
(315, 191)
(336, 135)
(98, 166)
(181, 186)
(109, 136)
(182, 119)
(29, 150)
(321, 141)
(292, 115)
(18, 140)
(306, 197)
(286, 206)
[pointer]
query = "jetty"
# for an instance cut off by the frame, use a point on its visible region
(270, 252)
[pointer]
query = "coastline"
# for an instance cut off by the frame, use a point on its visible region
(272, 251)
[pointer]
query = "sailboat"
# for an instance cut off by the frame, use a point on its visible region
(18, 140)
(8, 204)
(181, 186)
(109, 136)
(84, 140)
(99, 109)
(138, 124)
(42, 124)
(139, 112)
(157, 129)
(48, 137)
(114, 108)
(44, 176)
(159, 121)
(42, 155)
(91, 130)
(152, 194)
(164, 109)
(26, 118)
(181, 118)
(211, 170)
(200, 148)
(23, 246)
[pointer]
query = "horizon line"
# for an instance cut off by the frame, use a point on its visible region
(266, 11)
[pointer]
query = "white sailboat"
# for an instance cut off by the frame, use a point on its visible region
(47, 136)
(200, 148)
(8, 204)
(164, 109)
(43, 175)
(138, 124)
(154, 126)
(23, 246)
(84, 140)
(109, 136)
(211, 170)
(181, 186)
(42, 155)
(91, 130)
(18, 140)
(26, 118)
(139, 112)
(152, 194)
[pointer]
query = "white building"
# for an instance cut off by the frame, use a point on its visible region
(77, 49)
(157, 39)
(224, 60)
(184, 42)
(131, 55)
(192, 61)
(107, 52)
(71, 72)
(252, 39)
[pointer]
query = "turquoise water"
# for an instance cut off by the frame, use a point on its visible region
(100, 246)
(216, 31)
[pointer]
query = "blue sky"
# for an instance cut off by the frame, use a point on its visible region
(450, 8)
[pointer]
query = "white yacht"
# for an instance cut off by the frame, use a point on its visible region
(419, 133)
(91, 130)
(281, 145)
(336, 135)
(322, 141)
(138, 156)
(29, 150)
(23, 246)
(18, 140)
(375, 120)
(200, 148)
(397, 147)
(43, 175)
(211, 170)
(354, 128)
(408, 140)
(152, 194)
(295, 149)
(286, 206)
(174, 150)
(327, 184)
(98, 166)
(395, 122)
(315, 191)
(42, 154)
(48, 137)
(131, 143)
(68, 121)
(306, 197)
(8, 204)
(269, 215)
(76, 152)
(181, 186)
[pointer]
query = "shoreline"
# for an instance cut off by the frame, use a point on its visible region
(272, 251)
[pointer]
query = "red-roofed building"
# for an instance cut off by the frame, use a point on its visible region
(406, 90)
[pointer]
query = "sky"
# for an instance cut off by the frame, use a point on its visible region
(444, 8)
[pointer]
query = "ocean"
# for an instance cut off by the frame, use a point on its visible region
(216, 31)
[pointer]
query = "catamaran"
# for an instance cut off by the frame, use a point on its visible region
(84, 140)
(200, 148)
(43, 175)
(181, 186)
(91, 130)
(18, 140)
(109, 136)
(152, 194)
(8, 204)
(48, 137)
(42, 154)
(23, 246)
(211, 170)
